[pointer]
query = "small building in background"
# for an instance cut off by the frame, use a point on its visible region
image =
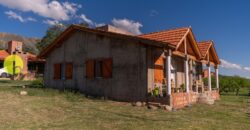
(33, 66)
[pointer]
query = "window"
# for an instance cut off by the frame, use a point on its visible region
(69, 71)
(99, 68)
(57, 71)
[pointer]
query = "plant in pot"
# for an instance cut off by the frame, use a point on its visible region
(183, 89)
(156, 92)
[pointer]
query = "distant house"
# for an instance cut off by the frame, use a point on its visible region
(164, 67)
(32, 64)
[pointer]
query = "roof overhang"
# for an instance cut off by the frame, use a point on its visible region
(196, 48)
(73, 28)
(214, 54)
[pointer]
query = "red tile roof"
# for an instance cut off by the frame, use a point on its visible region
(33, 58)
(203, 47)
(173, 36)
(3, 54)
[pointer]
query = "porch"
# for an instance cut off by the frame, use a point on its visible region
(176, 77)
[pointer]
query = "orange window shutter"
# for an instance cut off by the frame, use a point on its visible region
(90, 69)
(107, 68)
(57, 71)
(159, 70)
(69, 71)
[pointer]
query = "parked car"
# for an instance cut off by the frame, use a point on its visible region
(3, 73)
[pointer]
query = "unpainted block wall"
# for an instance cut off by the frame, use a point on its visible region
(129, 80)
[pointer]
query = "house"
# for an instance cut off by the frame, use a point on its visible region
(31, 64)
(164, 67)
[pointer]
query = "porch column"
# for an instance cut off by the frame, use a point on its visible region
(217, 76)
(209, 77)
(186, 74)
(168, 71)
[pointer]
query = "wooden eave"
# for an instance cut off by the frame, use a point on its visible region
(73, 28)
(196, 48)
(214, 54)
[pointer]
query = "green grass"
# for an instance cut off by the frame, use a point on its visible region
(52, 109)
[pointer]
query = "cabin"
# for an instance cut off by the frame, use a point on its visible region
(161, 67)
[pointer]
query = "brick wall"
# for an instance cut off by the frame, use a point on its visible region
(180, 100)
(215, 94)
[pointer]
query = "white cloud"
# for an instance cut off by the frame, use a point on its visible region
(51, 22)
(13, 15)
(85, 19)
(247, 68)
(128, 25)
(229, 65)
(31, 19)
(153, 13)
(99, 24)
(46, 8)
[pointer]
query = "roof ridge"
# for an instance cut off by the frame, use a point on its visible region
(172, 29)
(202, 42)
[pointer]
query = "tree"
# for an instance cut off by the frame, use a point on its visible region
(53, 32)
(51, 35)
(235, 86)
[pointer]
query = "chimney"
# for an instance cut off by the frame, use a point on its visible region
(15, 46)
(110, 28)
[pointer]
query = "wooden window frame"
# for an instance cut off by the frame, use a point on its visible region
(100, 63)
(104, 62)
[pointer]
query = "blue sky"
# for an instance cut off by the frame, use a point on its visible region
(225, 22)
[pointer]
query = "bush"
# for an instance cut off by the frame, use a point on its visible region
(213, 82)
(38, 83)
(233, 84)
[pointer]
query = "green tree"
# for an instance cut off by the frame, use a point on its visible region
(53, 32)
(213, 82)
(235, 86)
(51, 35)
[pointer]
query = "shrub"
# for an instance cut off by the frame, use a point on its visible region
(183, 87)
(38, 83)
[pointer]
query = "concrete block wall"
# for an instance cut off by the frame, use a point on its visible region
(129, 77)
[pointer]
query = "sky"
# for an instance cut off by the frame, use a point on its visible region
(226, 22)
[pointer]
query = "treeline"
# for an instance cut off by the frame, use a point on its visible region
(230, 83)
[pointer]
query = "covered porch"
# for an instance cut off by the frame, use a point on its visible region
(176, 75)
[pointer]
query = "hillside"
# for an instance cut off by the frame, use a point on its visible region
(29, 43)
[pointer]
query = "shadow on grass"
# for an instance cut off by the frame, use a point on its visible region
(131, 116)
(4, 81)
(248, 114)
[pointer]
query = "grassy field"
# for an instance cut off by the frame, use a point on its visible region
(51, 109)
